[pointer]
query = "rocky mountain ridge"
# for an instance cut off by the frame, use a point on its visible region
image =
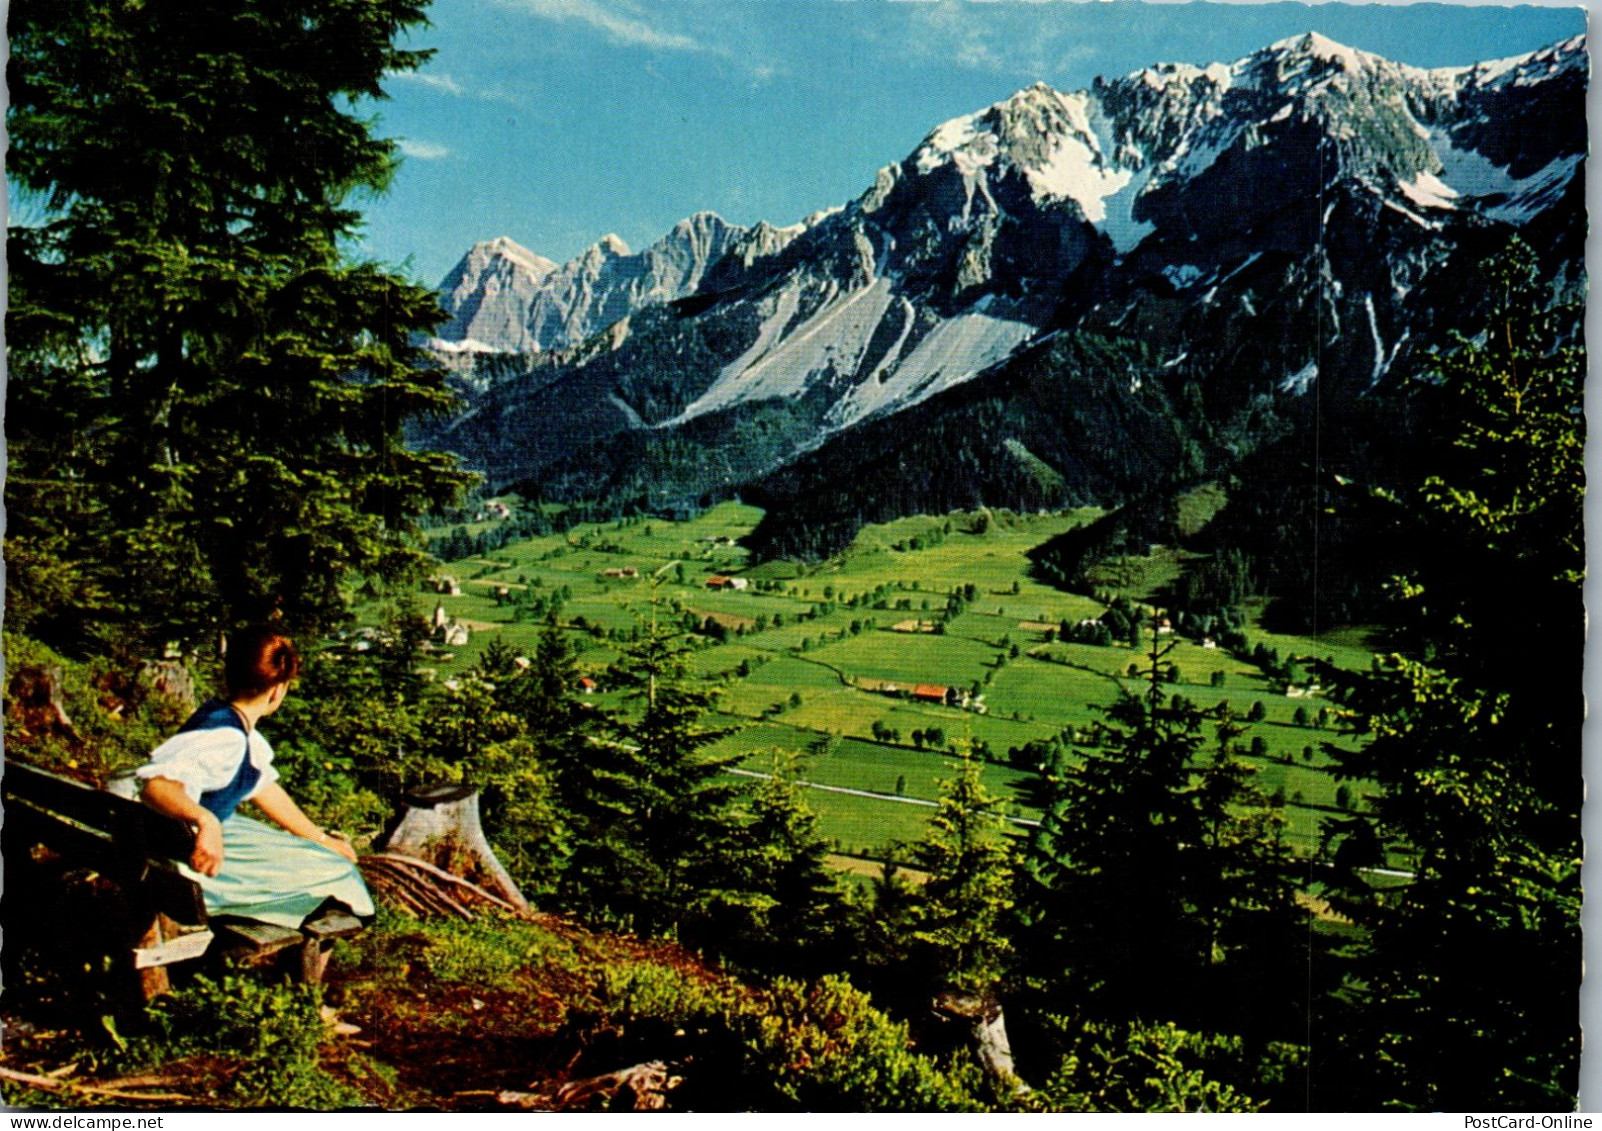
(1284, 223)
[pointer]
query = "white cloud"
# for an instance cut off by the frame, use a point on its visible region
(618, 26)
(422, 150)
(442, 83)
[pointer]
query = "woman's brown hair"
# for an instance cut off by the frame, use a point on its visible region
(259, 659)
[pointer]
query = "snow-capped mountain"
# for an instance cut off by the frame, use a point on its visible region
(488, 296)
(502, 298)
(1260, 227)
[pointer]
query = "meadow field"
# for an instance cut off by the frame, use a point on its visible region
(827, 661)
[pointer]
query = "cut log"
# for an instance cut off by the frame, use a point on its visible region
(986, 1027)
(441, 826)
(640, 1087)
(51, 1084)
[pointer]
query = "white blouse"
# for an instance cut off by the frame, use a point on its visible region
(204, 760)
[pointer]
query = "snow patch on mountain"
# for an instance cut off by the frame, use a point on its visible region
(1492, 190)
(1076, 172)
(1430, 191)
(1299, 382)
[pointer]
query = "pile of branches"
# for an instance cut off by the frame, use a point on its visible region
(423, 890)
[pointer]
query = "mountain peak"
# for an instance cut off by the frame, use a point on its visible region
(1318, 46)
(706, 218)
(504, 247)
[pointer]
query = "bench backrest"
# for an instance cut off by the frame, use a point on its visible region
(123, 839)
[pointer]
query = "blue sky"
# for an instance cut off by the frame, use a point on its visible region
(557, 121)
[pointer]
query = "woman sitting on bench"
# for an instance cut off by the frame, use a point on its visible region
(217, 760)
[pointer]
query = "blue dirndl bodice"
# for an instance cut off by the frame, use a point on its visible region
(215, 714)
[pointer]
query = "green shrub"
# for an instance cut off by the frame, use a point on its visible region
(1140, 1067)
(113, 708)
(824, 1047)
(486, 953)
(647, 991)
(268, 1035)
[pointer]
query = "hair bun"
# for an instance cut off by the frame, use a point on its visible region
(259, 658)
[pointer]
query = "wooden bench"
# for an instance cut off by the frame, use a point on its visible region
(54, 825)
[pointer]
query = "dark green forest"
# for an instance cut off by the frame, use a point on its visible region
(207, 410)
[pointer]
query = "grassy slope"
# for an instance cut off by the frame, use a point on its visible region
(451, 1013)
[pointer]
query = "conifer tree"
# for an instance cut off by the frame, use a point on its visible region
(1467, 990)
(559, 723)
(1106, 888)
(1158, 883)
(969, 887)
(655, 816)
(203, 390)
(787, 910)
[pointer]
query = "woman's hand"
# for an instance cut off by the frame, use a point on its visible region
(339, 842)
(165, 795)
(281, 808)
(207, 858)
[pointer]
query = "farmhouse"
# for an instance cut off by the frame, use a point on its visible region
(625, 572)
(586, 685)
(930, 693)
(717, 582)
(913, 626)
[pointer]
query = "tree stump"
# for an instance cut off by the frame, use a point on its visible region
(441, 826)
(34, 698)
(986, 1026)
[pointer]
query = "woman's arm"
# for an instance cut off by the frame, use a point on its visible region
(282, 810)
(167, 796)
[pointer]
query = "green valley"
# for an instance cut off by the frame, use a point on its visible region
(827, 660)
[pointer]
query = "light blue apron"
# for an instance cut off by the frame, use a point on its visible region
(278, 877)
